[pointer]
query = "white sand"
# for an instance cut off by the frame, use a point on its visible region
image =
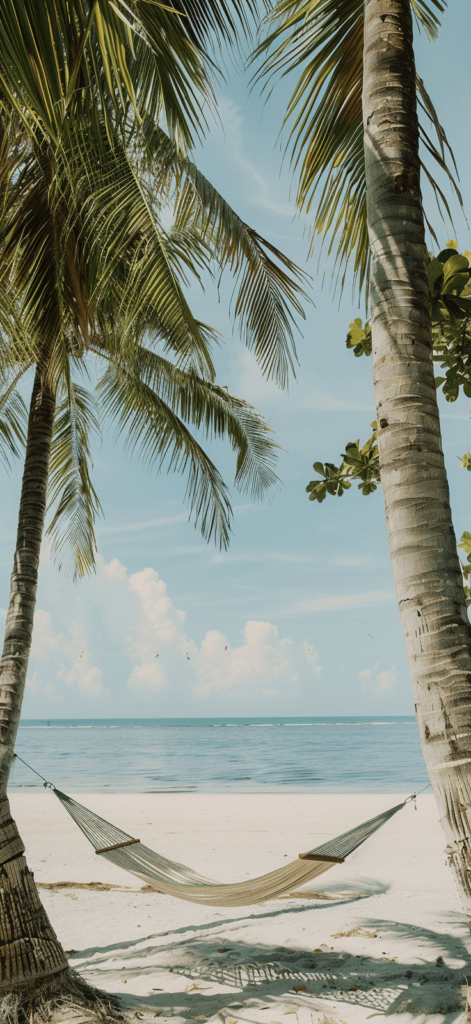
(164, 957)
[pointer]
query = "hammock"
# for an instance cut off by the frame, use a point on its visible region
(175, 879)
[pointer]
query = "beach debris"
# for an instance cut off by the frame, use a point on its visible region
(356, 932)
(323, 948)
(439, 962)
(196, 987)
(298, 894)
(224, 949)
(299, 988)
(99, 886)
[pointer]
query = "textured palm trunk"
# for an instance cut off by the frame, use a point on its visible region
(29, 949)
(422, 541)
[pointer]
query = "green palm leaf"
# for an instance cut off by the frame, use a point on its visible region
(151, 402)
(13, 416)
(324, 41)
(72, 528)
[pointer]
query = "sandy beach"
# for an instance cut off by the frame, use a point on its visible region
(383, 935)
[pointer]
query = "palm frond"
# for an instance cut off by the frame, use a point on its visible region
(268, 285)
(214, 411)
(158, 435)
(133, 266)
(154, 57)
(152, 401)
(72, 528)
(426, 17)
(323, 39)
(13, 417)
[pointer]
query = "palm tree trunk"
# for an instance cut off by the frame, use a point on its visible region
(422, 541)
(29, 949)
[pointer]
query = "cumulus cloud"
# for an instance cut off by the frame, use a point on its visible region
(221, 667)
(133, 619)
(373, 681)
(159, 628)
(147, 677)
(87, 677)
(386, 680)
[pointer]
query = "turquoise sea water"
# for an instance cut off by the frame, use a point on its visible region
(261, 755)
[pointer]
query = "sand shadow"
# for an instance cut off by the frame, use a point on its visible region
(245, 974)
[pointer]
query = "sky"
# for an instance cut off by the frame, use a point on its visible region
(299, 617)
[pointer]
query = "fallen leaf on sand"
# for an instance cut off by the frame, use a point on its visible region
(299, 988)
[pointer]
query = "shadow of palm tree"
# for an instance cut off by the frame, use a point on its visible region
(251, 973)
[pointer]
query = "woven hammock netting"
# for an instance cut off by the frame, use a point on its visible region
(175, 879)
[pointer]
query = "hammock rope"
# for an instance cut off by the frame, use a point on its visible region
(174, 879)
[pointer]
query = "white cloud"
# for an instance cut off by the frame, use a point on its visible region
(114, 570)
(386, 680)
(221, 667)
(87, 677)
(90, 682)
(159, 627)
(135, 622)
(342, 602)
(373, 681)
(147, 677)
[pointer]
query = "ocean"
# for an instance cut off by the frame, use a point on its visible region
(213, 755)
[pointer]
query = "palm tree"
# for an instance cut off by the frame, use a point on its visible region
(355, 136)
(88, 274)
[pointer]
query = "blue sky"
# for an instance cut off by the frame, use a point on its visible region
(299, 617)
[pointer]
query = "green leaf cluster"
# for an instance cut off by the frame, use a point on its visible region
(466, 566)
(359, 338)
(450, 295)
(359, 463)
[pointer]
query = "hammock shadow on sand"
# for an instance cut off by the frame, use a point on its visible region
(264, 974)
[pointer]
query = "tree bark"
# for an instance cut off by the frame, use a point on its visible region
(29, 949)
(424, 557)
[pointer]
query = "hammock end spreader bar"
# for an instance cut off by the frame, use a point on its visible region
(117, 846)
